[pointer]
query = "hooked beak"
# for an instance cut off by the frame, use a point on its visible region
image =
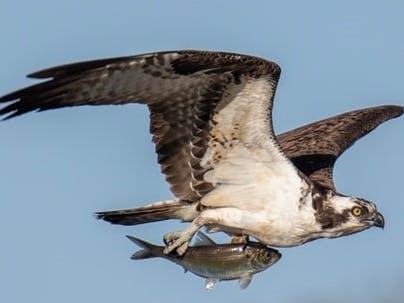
(378, 220)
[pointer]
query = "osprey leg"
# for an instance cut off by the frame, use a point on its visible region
(179, 240)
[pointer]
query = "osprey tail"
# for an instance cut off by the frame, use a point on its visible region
(158, 211)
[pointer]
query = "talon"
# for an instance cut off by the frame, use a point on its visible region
(241, 239)
(168, 249)
(183, 248)
(180, 245)
(178, 241)
(171, 237)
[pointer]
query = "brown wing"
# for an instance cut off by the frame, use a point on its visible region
(315, 147)
(181, 89)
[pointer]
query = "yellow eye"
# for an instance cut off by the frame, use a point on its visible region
(356, 211)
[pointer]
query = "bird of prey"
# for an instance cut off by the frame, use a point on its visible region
(211, 121)
(312, 148)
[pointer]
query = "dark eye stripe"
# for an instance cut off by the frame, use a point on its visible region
(366, 205)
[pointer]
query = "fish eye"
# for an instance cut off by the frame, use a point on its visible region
(356, 211)
(266, 257)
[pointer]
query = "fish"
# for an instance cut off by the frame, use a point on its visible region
(215, 262)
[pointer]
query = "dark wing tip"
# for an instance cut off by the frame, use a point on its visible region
(9, 97)
(98, 215)
(102, 215)
(399, 109)
(133, 239)
(106, 216)
(23, 101)
(315, 147)
(12, 115)
(14, 109)
(392, 111)
(51, 94)
(42, 74)
(75, 68)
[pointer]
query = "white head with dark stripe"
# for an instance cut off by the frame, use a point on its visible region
(340, 215)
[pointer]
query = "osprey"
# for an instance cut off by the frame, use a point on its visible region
(211, 121)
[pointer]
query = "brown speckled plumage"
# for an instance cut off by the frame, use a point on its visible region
(180, 115)
(315, 147)
(181, 89)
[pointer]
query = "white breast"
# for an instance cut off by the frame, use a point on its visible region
(260, 198)
(257, 190)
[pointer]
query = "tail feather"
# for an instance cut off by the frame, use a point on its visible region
(164, 210)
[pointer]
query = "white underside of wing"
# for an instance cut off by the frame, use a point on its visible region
(257, 189)
(246, 166)
(243, 117)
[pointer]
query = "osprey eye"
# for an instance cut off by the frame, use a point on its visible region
(356, 211)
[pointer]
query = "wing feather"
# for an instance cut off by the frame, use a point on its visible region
(315, 147)
(183, 90)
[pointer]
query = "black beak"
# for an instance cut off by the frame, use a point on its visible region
(378, 220)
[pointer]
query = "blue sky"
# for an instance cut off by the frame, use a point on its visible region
(58, 167)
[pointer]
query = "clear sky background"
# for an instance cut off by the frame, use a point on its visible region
(58, 167)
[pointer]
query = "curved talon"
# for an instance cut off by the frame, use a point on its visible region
(180, 245)
(178, 241)
(171, 237)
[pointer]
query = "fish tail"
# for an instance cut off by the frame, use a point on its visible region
(158, 211)
(149, 250)
(142, 254)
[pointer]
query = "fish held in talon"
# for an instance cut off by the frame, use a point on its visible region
(215, 262)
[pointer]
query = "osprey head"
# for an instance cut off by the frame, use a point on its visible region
(341, 215)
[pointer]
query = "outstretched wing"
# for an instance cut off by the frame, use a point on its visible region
(201, 105)
(315, 147)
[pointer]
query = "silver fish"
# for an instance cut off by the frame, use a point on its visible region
(215, 262)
